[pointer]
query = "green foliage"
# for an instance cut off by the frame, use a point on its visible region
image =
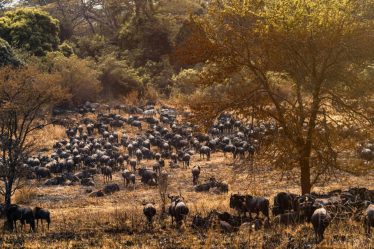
(30, 29)
(186, 80)
(91, 46)
(66, 49)
(147, 36)
(7, 56)
(118, 77)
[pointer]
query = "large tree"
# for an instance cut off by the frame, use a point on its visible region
(25, 97)
(301, 63)
(30, 29)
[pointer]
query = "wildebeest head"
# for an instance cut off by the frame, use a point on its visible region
(175, 198)
(237, 201)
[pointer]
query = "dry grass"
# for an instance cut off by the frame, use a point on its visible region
(116, 221)
(25, 195)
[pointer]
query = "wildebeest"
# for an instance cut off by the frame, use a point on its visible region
(320, 221)
(205, 151)
(178, 210)
(128, 178)
(24, 214)
(287, 219)
(133, 164)
(111, 188)
(284, 202)
(195, 174)
(200, 222)
(42, 214)
(148, 176)
(369, 218)
(237, 202)
(42, 172)
(255, 204)
(149, 211)
(107, 173)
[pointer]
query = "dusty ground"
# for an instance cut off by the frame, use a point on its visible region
(116, 221)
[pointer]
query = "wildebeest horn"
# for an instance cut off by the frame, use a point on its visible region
(169, 196)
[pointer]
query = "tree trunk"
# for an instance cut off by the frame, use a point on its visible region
(305, 175)
(8, 195)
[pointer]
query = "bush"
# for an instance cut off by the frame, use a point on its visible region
(118, 77)
(30, 29)
(186, 80)
(78, 76)
(7, 56)
(91, 46)
(66, 49)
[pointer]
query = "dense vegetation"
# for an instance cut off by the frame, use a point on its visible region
(297, 63)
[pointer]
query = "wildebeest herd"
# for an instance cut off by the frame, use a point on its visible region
(103, 145)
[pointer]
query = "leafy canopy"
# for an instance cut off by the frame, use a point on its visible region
(30, 29)
(296, 62)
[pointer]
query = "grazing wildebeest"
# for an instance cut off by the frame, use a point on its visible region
(128, 177)
(284, 202)
(237, 202)
(111, 188)
(133, 164)
(195, 174)
(290, 218)
(205, 151)
(148, 176)
(255, 204)
(320, 221)
(42, 172)
(369, 218)
(178, 210)
(186, 159)
(149, 211)
(24, 214)
(42, 214)
(199, 222)
(107, 173)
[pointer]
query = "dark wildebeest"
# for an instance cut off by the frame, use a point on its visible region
(178, 210)
(133, 164)
(107, 173)
(369, 218)
(149, 211)
(128, 177)
(284, 202)
(24, 214)
(320, 221)
(111, 188)
(237, 202)
(148, 176)
(42, 214)
(42, 172)
(205, 151)
(195, 174)
(199, 222)
(255, 204)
